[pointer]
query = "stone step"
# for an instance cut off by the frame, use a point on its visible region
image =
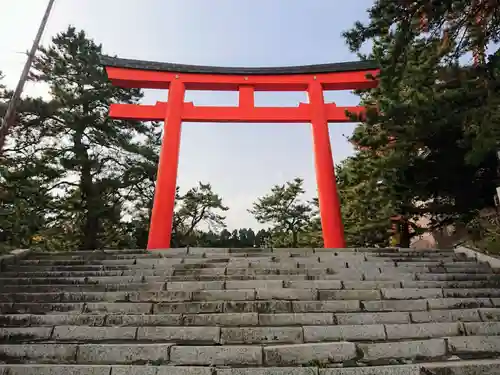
(154, 292)
(393, 274)
(457, 276)
(467, 367)
(262, 253)
(339, 281)
(239, 355)
(55, 288)
(347, 274)
(138, 314)
(210, 302)
(196, 334)
(352, 260)
(208, 311)
(248, 335)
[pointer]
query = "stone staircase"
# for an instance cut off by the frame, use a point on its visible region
(207, 311)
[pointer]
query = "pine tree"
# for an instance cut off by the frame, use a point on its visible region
(283, 208)
(435, 127)
(99, 155)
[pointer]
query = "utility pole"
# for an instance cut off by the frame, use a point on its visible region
(11, 108)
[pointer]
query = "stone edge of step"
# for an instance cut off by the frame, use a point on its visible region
(480, 257)
(14, 256)
(142, 370)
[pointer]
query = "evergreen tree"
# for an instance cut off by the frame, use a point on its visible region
(284, 209)
(99, 155)
(200, 205)
(435, 128)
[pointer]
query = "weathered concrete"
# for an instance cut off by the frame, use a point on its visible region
(458, 303)
(479, 367)
(433, 348)
(371, 284)
(410, 293)
(264, 335)
(287, 294)
(72, 333)
(232, 311)
(216, 355)
(44, 353)
(210, 335)
(117, 308)
(189, 307)
(228, 319)
(482, 329)
(314, 284)
(422, 330)
(344, 333)
(258, 306)
(474, 344)
(254, 284)
(354, 294)
(269, 371)
(396, 305)
(489, 314)
(192, 286)
(465, 315)
(373, 318)
(224, 295)
(58, 370)
(326, 306)
(303, 354)
(379, 370)
(17, 334)
(296, 319)
(144, 320)
(123, 353)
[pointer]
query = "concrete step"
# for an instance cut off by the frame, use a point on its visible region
(322, 354)
(126, 314)
(138, 314)
(214, 291)
(205, 311)
(227, 335)
(470, 367)
(353, 259)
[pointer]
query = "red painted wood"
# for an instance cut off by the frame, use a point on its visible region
(329, 204)
(244, 113)
(298, 82)
(175, 111)
(246, 97)
(160, 229)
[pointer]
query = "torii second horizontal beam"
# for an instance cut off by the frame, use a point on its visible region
(192, 113)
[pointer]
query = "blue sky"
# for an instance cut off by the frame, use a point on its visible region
(242, 161)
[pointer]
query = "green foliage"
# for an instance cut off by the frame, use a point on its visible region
(442, 114)
(283, 209)
(101, 160)
(484, 233)
(366, 201)
(200, 205)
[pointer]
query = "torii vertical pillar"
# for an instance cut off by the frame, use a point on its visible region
(329, 203)
(160, 231)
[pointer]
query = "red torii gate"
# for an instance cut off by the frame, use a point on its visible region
(178, 78)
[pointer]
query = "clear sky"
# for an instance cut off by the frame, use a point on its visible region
(242, 161)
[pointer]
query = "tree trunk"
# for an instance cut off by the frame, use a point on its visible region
(404, 235)
(295, 239)
(90, 198)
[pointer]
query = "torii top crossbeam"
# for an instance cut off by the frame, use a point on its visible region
(178, 77)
